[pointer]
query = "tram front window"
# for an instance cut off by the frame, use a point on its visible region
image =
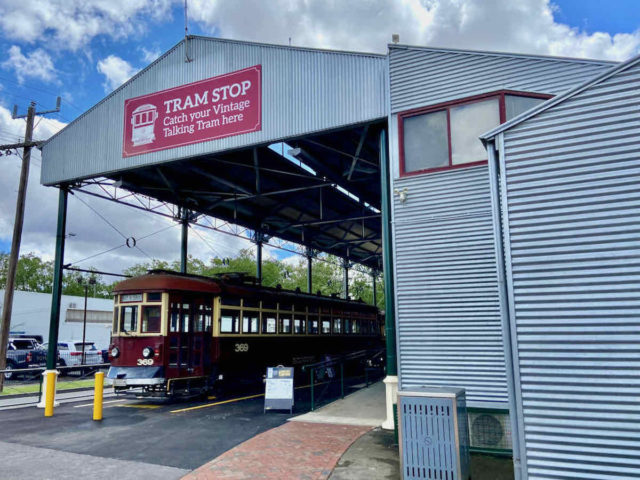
(151, 319)
(129, 319)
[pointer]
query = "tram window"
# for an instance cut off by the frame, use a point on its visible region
(229, 321)
(250, 322)
(231, 301)
(129, 319)
(347, 325)
(154, 297)
(115, 320)
(251, 303)
(175, 315)
(285, 307)
(268, 305)
(313, 309)
(268, 323)
(313, 325)
(326, 326)
(185, 318)
(300, 326)
(355, 326)
(151, 319)
(285, 324)
(337, 325)
(203, 319)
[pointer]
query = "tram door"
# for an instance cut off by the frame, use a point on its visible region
(185, 337)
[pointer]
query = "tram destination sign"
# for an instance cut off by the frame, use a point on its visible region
(217, 107)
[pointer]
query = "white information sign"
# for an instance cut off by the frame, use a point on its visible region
(278, 394)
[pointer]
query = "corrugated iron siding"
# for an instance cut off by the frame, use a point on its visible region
(303, 91)
(573, 206)
(423, 76)
(447, 295)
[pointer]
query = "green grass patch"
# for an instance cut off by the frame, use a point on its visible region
(21, 388)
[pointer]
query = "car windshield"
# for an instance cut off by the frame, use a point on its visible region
(24, 344)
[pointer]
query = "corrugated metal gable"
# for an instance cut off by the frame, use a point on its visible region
(304, 91)
(573, 219)
(447, 299)
(422, 76)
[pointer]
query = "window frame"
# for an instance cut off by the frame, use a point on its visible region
(446, 106)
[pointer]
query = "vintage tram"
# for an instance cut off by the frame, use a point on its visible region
(177, 334)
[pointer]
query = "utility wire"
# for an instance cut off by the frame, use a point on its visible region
(114, 227)
(207, 243)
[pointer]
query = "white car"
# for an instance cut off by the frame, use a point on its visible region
(70, 353)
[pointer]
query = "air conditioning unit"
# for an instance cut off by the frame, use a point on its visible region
(490, 429)
(434, 434)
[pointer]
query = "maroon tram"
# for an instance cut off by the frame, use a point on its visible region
(176, 334)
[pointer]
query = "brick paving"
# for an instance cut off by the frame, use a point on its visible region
(294, 451)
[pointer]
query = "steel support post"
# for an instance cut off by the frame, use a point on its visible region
(54, 320)
(184, 241)
(345, 278)
(391, 381)
(309, 271)
(374, 276)
(259, 258)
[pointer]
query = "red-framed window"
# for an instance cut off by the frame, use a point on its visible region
(445, 136)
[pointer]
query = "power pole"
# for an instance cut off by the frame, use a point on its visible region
(17, 226)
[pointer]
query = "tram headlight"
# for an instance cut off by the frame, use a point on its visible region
(147, 352)
(115, 352)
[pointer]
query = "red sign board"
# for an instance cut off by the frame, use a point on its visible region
(217, 107)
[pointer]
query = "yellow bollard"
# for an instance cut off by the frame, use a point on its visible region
(49, 394)
(97, 395)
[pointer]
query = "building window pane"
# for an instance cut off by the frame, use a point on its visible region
(425, 141)
(151, 319)
(515, 105)
(468, 122)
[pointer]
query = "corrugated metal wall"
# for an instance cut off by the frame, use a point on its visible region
(447, 295)
(303, 91)
(448, 315)
(425, 76)
(573, 240)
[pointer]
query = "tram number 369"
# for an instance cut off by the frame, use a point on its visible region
(145, 361)
(241, 347)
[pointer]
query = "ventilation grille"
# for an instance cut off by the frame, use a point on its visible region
(429, 439)
(489, 430)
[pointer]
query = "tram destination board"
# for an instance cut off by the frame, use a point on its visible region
(278, 393)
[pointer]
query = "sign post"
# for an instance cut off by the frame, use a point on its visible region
(278, 393)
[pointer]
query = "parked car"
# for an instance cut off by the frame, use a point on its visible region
(23, 353)
(70, 354)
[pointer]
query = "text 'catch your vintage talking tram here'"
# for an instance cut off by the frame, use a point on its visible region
(177, 334)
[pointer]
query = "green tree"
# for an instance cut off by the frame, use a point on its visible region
(36, 275)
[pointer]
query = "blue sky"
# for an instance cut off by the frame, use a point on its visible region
(83, 49)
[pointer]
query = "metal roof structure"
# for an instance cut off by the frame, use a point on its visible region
(310, 174)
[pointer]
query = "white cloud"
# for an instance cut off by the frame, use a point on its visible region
(525, 26)
(37, 64)
(72, 24)
(149, 55)
(116, 70)
(92, 234)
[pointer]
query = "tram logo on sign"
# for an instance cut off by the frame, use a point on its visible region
(143, 121)
(217, 107)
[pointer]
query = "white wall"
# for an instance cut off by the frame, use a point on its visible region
(31, 312)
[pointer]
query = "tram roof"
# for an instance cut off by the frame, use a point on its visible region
(321, 114)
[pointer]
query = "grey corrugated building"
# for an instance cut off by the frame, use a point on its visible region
(456, 323)
(567, 174)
